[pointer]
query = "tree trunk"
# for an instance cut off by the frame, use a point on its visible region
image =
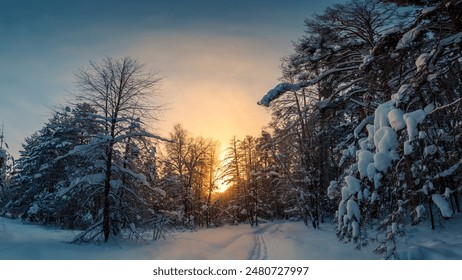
(209, 201)
(430, 206)
(107, 189)
(256, 204)
(107, 183)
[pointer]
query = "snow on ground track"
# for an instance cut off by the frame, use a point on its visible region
(260, 248)
(295, 241)
(274, 241)
(277, 240)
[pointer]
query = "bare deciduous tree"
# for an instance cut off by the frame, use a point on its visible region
(120, 90)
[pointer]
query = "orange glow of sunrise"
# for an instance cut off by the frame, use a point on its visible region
(222, 186)
(221, 182)
(212, 84)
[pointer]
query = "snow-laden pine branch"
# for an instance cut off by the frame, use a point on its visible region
(449, 171)
(140, 134)
(282, 88)
(444, 107)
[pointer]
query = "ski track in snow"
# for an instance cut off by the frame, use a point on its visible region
(260, 248)
(260, 251)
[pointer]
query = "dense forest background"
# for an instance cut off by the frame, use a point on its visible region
(365, 133)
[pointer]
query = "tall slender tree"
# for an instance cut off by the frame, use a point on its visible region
(121, 92)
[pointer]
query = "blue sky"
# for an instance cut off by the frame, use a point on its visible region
(217, 57)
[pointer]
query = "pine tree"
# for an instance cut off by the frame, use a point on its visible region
(39, 176)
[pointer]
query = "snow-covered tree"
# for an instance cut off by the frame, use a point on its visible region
(235, 201)
(394, 81)
(38, 176)
(190, 171)
(249, 170)
(212, 174)
(6, 167)
(326, 93)
(120, 91)
(3, 169)
(424, 111)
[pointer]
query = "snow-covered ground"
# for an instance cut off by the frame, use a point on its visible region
(273, 241)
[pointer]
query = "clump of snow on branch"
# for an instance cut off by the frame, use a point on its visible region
(421, 62)
(408, 38)
(395, 116)
(364, 159)
(443, 205)
(277, 91)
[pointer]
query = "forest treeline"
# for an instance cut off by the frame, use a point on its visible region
(366, 132)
